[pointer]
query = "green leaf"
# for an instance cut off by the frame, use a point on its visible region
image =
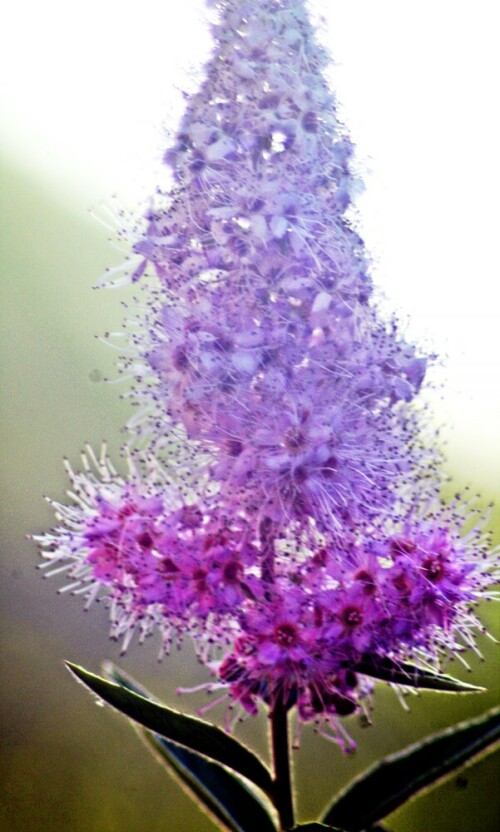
(218, 791)
(404, 673)
(317, 827)
(389, 783)
(223, 796)
(181, 729)
(314, 827)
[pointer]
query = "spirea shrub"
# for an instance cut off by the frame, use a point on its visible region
(282, 502)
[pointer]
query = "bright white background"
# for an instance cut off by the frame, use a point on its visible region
(86, 88)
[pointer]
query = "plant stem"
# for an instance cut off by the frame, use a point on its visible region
(279, 713)
(266, 535)
(281, 762)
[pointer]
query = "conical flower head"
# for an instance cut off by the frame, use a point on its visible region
(268, 349)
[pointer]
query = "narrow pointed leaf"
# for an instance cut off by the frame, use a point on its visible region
(314, 827)
(218, 791)
(181, 729)
(391, 782)
(222, 795)
(120, 677)
(405, 673)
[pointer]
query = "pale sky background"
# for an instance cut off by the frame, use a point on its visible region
(86, 88)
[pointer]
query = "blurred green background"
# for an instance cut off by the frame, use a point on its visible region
(67, 764)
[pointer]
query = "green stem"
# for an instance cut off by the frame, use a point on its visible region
(281, 762)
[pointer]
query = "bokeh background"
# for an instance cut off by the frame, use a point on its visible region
(85, 92)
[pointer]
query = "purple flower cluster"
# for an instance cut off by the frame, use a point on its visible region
(281, 514)
(290, 615)
(266, 348)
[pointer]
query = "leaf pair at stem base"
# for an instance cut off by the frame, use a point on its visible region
(232, 784)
